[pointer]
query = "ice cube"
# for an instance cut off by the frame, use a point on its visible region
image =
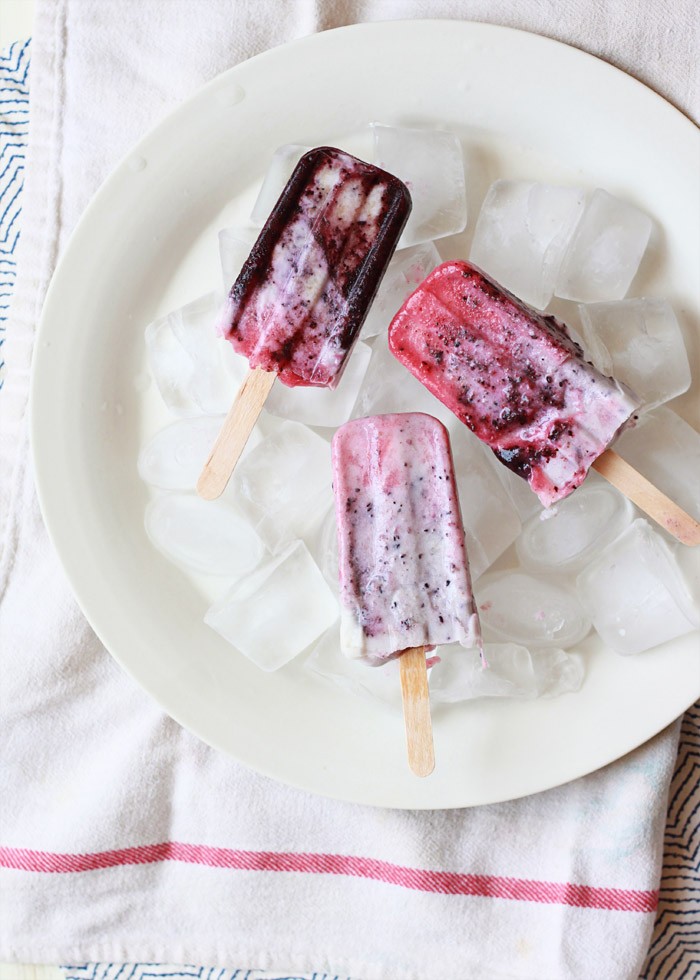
(638, 342)
(235, 366)
(275, 613)
(284, 160)
(522, 233)
(171, 368)
(283, 486)
(510, 671)
(174, 457)
(377, 683)
(522, 497)
(688, 563)
(431, 164)
(234, 248)
(666, 450)
(208, 536)
(491, 522)
(184, 356)
(324, 548)
(635, 592)
(605, 251)
(407, 269)
(389, 387)
(581, 525)
(323, 407)
(529, 609)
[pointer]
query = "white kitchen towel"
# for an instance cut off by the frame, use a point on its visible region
(122, 837)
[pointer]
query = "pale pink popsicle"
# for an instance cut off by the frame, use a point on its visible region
(404, 576)
(513, 375)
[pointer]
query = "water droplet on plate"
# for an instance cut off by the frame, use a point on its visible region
(232, 95)
(137, 163)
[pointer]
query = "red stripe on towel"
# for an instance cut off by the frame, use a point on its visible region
(441, 882)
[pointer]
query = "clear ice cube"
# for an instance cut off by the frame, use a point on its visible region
(431, 164)
(171, 368)
(407, 269)
(605, 251)
(638, 342)
(324, 548)
(510, 671)
(234, 248)
(377, 683)
(522, 497)
(491, 522)
(283, 486)
(208, 536)
(531, 610)
(666, 450)
(174, 457)
(389, 387)
(579, 527)
(275, 613)
(284, 160)
(636, 594)
(323, 407)
(522, 233)
(185, 358)
(235, 366)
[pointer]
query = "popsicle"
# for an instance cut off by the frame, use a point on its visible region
(516, 378)
(302, 295)
(404, 575)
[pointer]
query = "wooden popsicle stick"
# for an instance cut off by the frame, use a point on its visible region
(234, 433)
(648, 498)
(416, 711)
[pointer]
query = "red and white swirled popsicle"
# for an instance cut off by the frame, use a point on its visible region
(512, 375)
(299, 302)
(404, 575)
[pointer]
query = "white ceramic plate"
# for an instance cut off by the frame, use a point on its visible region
(524, 106)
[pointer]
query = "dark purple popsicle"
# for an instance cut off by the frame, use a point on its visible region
(304, 291)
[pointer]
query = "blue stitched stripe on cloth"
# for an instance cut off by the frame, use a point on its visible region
(675, 949)
(14, 123)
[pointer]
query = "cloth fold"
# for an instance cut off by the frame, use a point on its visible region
(122, 837)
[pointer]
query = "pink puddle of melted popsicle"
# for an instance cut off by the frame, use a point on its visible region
(303, 293)
(513, 375)
(404, 575)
